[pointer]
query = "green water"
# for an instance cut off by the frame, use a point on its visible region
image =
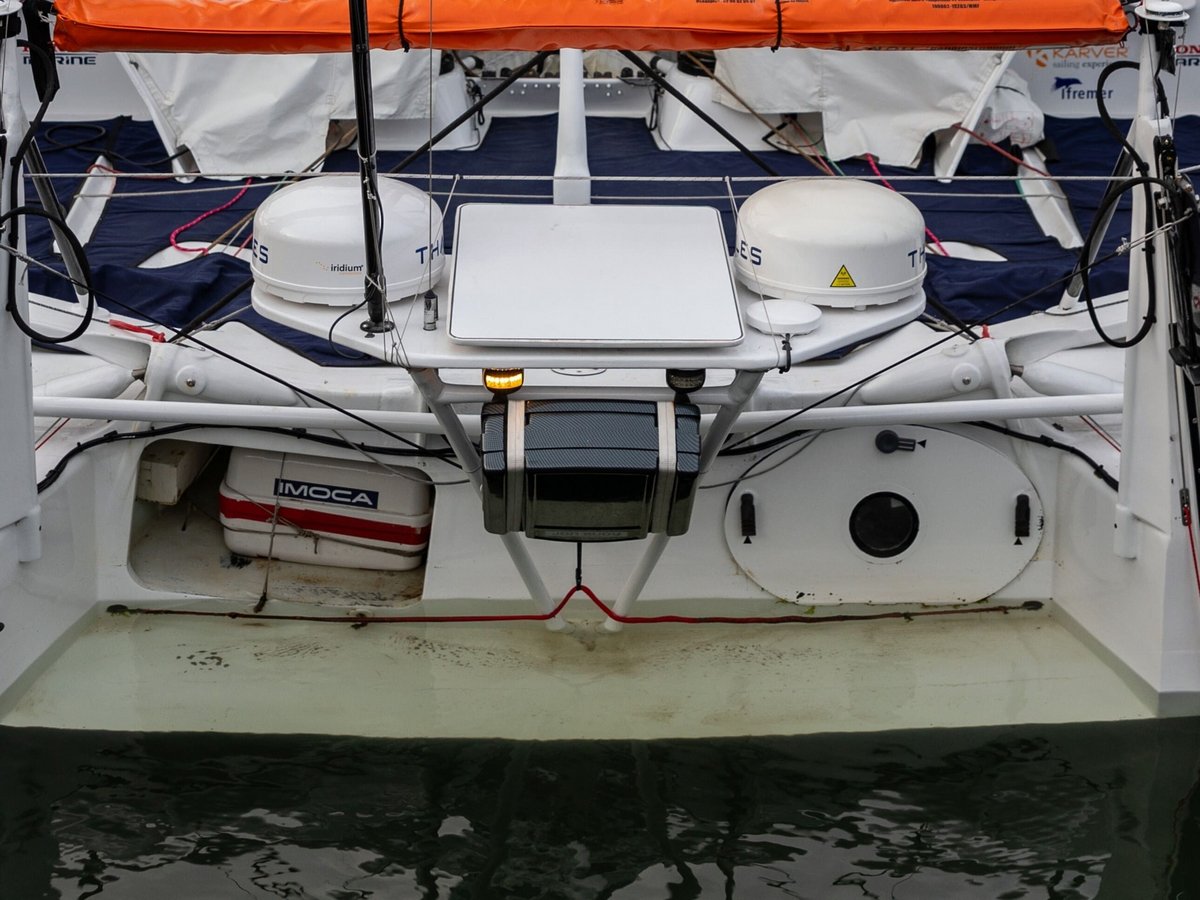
(1086, 811)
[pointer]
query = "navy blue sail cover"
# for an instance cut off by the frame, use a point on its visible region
(140, 221)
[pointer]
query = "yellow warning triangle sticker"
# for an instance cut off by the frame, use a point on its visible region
(842, 279)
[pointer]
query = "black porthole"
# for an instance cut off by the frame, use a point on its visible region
(883, 524)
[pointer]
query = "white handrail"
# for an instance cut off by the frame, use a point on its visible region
(246, 415)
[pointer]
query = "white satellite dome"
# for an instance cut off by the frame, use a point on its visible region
(835, 242)
(309, 247)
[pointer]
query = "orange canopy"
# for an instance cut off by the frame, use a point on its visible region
(322, 25)
(308, 26)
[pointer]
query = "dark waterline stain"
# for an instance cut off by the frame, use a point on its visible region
(1062, 812)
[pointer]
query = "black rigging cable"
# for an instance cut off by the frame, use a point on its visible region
(199, 320)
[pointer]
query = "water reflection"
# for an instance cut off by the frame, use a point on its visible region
(1063, 812)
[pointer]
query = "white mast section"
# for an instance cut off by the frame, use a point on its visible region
(20, 515)
(572, 186)
(1151, 427)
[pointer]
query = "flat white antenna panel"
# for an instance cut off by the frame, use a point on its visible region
(592, 276)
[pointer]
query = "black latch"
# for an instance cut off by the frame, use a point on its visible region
(1021, 525)
(749, 518)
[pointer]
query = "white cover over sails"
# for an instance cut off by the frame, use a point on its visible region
(882, 102)
(262, 114)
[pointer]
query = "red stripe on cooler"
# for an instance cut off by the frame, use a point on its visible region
(327, 523)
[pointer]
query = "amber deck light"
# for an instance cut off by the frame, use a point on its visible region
(503, 381)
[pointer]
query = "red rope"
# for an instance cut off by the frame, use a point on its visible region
(1104, 435)
(51, 433)
(887, 184)
(607, 610)
(1187, 523)
(200, 218)
(156, 336)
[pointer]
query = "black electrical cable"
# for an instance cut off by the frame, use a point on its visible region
(92, 144)
(1042, 440)
(45, 64)
(44, 67)
(748, 449)
(1110, 199)
(107, 438)
(44, 71)
(95, 131)
(1111, 196)
(1186, 272)
(1183, 208)
(333, 344)
(23, 147)
(76, 248)
(112, 437)
(28, 155)
(1106, 117)
(1116, 189)
(1047, 441)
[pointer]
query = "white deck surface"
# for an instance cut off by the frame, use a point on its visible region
(148, 673)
